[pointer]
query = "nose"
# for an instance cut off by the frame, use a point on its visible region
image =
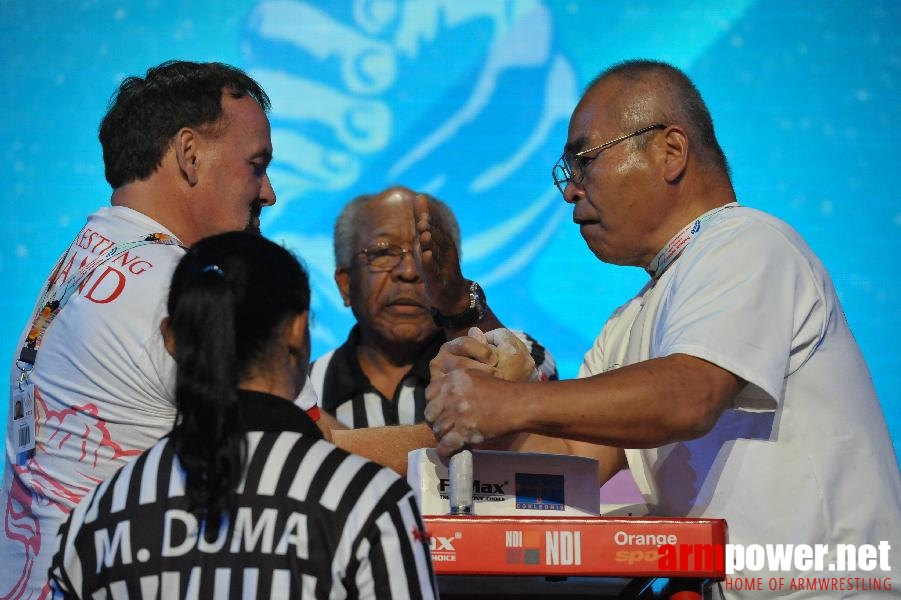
(267, 193)
(572, 192)
(406, 269)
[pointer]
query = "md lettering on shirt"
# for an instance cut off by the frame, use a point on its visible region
(108, 284)
(247, 534)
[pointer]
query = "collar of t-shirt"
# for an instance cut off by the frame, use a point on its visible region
(346, 379)
(674, 247)
(265, 412)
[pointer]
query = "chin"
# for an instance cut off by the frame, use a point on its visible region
(598, 249)
(413, 333)
(604, 255)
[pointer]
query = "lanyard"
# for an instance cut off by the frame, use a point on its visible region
(673, 248)
(55, 297)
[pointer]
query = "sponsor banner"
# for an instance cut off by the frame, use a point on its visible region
(563, 546)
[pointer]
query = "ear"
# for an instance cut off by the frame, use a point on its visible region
(186, 153)
(676, 153)
(168, 337)
(298, 337)
(342, 279)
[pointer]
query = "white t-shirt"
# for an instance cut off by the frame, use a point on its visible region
(103, 390)
(804, 455)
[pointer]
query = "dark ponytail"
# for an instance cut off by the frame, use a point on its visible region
(231, 295)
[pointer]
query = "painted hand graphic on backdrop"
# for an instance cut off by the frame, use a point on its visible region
(467, 101)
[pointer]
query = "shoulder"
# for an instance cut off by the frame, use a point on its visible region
(751, 229)
(751, 244)
(141, 251)
(324, 457)
(319, 367)
(343, 354)
(343, 482)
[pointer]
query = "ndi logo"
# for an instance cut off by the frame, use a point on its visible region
(537, 491)
(523, 547)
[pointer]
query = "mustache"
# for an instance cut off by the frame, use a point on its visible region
(253, 223)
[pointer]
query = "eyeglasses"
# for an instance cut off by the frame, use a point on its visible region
(571, 167)
(384, 256)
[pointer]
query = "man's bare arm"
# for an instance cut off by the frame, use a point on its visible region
(647, 404)
(388, 446)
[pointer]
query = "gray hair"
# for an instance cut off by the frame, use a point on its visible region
(350, 222)
(680, 103)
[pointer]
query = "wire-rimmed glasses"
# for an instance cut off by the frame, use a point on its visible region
(383, 256)
(571, 167)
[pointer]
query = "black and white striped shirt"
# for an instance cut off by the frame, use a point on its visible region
(311, 521)
(345, 391)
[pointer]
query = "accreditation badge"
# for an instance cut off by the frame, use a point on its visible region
(23, 416)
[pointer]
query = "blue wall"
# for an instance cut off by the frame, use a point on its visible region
(469, 100)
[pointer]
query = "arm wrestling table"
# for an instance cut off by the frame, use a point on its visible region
(575, 557)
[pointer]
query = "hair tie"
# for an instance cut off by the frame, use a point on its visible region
(214, 269)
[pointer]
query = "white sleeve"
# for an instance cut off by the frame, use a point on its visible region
(307, 398)
(745, 298)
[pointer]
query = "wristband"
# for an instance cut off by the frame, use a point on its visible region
(470, 316)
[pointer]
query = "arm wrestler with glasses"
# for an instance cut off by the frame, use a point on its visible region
(731, 383)
(398, 269)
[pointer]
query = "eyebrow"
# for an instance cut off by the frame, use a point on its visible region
(263, 153)
(570, 147)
